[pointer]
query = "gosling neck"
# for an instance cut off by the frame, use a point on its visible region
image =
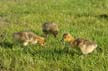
(72, 40)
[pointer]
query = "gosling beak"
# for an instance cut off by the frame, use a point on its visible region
(62, 40)
(42, 44)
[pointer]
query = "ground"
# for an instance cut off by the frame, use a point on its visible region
(82, 18)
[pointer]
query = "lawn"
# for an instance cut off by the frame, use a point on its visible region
(82, 18)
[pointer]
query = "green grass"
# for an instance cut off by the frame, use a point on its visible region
(79, 17)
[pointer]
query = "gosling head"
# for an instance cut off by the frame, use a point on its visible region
(67, 37)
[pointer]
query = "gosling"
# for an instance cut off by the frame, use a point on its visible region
(28, 37)
(50, 28)
(85, 45)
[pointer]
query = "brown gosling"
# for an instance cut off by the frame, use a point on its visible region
(50, 28)
(85, 45)
(27, 37)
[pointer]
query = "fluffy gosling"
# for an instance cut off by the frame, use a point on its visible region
(50, 28)
(27, 37)
(85, 45)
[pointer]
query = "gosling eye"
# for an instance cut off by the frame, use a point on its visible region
(65, 37)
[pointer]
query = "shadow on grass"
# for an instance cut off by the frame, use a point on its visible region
(50, 53)
(6, 45)
(104, 16)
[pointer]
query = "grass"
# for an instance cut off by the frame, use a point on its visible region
(82, 18)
